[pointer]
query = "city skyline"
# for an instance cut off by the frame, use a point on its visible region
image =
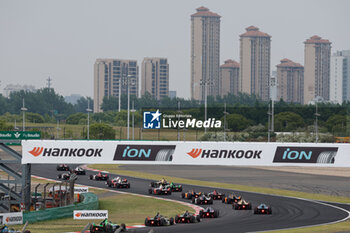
(37, 42)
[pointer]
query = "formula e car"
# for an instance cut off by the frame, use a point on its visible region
(175, 187)
(99, 176)
(209, 213)
(156, 184)
(106, 227)
(202, 200)
(230, 199)
(62, 167)
(79, 171)
(166, 190)
(118, 183)
(216, 195)
(187, 218)
(190, 194)
(159, 220)
(262, 209)
(242, 205)
(64, 176)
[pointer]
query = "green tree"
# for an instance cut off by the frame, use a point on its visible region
(4, 126)
(288, 121)
(74, 119)
(237, 122)
(101, 131)
(34, 117)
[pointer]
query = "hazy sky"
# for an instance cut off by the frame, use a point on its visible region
(62, 39)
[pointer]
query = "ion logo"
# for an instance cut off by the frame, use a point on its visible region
(151, 120)
(144, 152)
(37, 151)
(194, 153)
(305, 154)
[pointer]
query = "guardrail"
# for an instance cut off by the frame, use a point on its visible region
(89, 202)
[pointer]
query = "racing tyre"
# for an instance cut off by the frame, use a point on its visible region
(59, 176)
(192, 219)
(123, 226)
(149, 191)
(216, 213)
(152, 184)
(177, 219)
(235, 206)
(118, 186)
(180, 189)
(249, 207)
(198, 218)
(223, 200)
(201, 212)
(162, 222)
(91, 177)
(171, 221)
(183, 195)
(92, 229)
(146, 222)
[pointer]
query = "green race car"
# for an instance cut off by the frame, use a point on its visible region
(106, 227)
(175, 187)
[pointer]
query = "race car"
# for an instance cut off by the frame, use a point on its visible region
(202, 200)
(99, 176)
(156, 184)
(230, 199)
(187, 218)
(209, 213)
(190, 194)
(159, 220)
(62, 167)
(175, 187)
(64, 176)
(216, 195)
(242, 205)
(262, 209)
(161, 190)
(118, 183)
(79, 171)
(106, 227)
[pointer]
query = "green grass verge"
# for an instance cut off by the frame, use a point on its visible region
(122, 208)
(330, 228)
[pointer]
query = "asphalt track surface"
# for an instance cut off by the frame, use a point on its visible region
(287, 212)
(320, 184)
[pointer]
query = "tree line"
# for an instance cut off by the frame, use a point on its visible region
(243, 111)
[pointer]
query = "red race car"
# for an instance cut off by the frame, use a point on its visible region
(118, 183)
(99, 176)
(216, 195)
(161, 190)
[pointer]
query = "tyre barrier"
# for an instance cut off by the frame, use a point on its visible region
(89, 202)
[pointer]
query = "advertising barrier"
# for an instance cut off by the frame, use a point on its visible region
(12, 218)
(90, 214)
(182, 153)
(79, 190)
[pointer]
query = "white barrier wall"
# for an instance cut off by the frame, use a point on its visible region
(191, 153)
(12, 218)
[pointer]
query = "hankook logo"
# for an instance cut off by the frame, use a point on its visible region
(225, 154)
(145, 152)
(37, 151)
(66, 152)
(305, 154)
